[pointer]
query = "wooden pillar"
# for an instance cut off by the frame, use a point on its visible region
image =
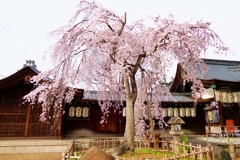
(27, 120)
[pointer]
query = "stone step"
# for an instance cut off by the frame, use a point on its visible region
(33, 146)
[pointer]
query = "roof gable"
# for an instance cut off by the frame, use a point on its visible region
(175, 120)
(19, 77)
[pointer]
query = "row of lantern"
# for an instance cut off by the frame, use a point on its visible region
(78, 111)
(179, 112)
(174, 112)
(227, 97)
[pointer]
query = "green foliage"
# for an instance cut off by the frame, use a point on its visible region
(183, 138)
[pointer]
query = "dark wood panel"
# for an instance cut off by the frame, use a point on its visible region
(98, 128)
(113, 122)
(39, 129)
(12, 129)
(13, 118)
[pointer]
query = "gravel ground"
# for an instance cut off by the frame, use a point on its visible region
(36, 156)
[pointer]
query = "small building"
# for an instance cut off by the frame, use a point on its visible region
(220, 101)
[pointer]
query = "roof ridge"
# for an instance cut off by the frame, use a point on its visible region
(222, 62)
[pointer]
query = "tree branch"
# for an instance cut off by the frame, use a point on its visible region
(123, 24)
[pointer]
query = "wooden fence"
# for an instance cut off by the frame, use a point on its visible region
(189, 151)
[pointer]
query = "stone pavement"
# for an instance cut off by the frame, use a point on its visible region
(202, 139)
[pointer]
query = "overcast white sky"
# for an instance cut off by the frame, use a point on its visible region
(24, 24)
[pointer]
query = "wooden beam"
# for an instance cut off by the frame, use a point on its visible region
(27, 121)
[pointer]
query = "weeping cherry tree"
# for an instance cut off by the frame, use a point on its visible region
(99, 49)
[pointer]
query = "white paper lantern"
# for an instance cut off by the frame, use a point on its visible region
(182, 112)
(193, 112)
(85, 112)
(187, 112)
(79, 111)
(235, 97)
(175, 112)
(170, 112)
(71, 111)
(164, 112)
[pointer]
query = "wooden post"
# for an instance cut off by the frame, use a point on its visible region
(177, 147)
(212, 152)
(190, 147)
(183, 146)
(27, 120)
(68, 156)
(201, 153)
(175, 156)
(194, 156)
(63, 155)
(185, 154)
(167, 145)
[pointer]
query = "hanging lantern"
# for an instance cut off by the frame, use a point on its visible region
(71, 111)
(175, 112)
(217, 95)
(79, 111)
(170, 112)
(187, 112)
(182, 112)
(85, 112)
(235, 97)
(164, 110)
(193, 112)
(229, 97)
(224, 96)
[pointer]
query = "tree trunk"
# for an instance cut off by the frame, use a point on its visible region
(131, 96)
(130, 124)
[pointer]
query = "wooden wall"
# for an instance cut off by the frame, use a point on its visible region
(18, 119)
(12, 119)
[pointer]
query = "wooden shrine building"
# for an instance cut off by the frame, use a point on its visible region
(221, 99)
(18, 119)
(82, 117)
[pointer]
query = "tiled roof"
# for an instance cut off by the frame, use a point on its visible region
(222, 70)
(176, 97)
(92, 95)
